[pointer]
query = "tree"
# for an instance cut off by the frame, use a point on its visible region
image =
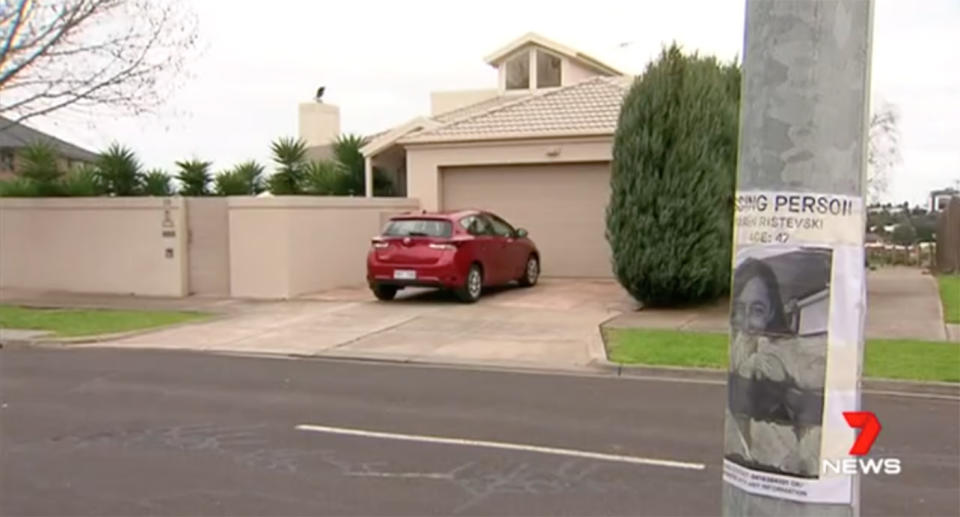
(194, 177)
(119, 55)
(290, 156)
(883, 149)
(669, 219)
(120, 171)
(904, 235)
(156, 182)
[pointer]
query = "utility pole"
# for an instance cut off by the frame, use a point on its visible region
(799, 289)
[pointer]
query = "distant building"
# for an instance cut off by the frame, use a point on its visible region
(939, 199)
(14, 136)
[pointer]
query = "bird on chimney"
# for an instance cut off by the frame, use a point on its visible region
(319, 97)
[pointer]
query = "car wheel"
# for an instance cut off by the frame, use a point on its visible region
(531, 273)
(384, 292)
(470, 291)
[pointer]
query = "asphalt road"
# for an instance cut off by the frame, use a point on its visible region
(114, 432)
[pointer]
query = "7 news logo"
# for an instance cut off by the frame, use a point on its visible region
(870, 428)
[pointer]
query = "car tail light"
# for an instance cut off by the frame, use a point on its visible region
(379, 244)
(442, 246)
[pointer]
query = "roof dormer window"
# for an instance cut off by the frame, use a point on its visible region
(548, 70)
(518, 72)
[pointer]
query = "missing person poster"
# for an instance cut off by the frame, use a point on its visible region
(797, 310)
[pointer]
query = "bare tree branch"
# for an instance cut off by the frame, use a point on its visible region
(113, 55)
(12, 34)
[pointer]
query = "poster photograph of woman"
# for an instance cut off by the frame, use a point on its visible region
(779, 310)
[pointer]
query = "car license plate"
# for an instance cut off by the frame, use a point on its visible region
(404, 274)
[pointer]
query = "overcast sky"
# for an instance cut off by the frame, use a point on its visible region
(380, 60)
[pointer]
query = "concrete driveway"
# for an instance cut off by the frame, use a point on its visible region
(554, 324)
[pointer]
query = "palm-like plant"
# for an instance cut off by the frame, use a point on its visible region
(120, 171)
(230, 183)
(290, 156)
(83, 181)
(39, 163)
(194, 177)
(251, 173)
(346, 150)
(156, 182)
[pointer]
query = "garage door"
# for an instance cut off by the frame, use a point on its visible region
(562, 206)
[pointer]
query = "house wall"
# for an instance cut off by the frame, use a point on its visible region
(572, 72)
(282, 247)
(444, 101)
(425, 160)
(94, 245)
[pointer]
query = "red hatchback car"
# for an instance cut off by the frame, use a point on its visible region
(462, 251)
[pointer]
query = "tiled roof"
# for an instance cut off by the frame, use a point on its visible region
(591, 106)
(472, 109)
(15, 135)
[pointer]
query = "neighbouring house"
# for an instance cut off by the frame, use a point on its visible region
(14, 136)
(535, 149)
(939, 199)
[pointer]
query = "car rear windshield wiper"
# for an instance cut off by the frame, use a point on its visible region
(418, 234)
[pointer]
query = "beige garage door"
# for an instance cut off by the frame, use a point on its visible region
(562, 206)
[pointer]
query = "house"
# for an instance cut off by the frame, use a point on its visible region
(535, 149)
(14, 136)
(939, 199)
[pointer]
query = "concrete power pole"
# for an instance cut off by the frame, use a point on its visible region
(799, 289)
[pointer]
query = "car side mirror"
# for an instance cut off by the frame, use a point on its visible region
(521, 233)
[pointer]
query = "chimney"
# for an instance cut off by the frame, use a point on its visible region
(319, 123)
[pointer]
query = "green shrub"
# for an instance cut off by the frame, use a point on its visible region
(82, 182)
(251, 173)
(120, 171)
(156, 182)
(324, 178)
(230, 183)
(194, 177)
(19, 187)
(669, 219)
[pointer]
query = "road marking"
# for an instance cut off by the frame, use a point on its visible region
(637, 460)
(401, 475)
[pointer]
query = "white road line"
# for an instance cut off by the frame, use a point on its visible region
(502, 445)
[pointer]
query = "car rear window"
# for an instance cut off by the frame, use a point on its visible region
(418, 228)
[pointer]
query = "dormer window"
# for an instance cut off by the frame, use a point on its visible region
(518, 72)
(548, 70)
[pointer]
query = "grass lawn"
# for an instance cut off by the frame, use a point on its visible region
(885, 358)
(85, 322)
(950, 294)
